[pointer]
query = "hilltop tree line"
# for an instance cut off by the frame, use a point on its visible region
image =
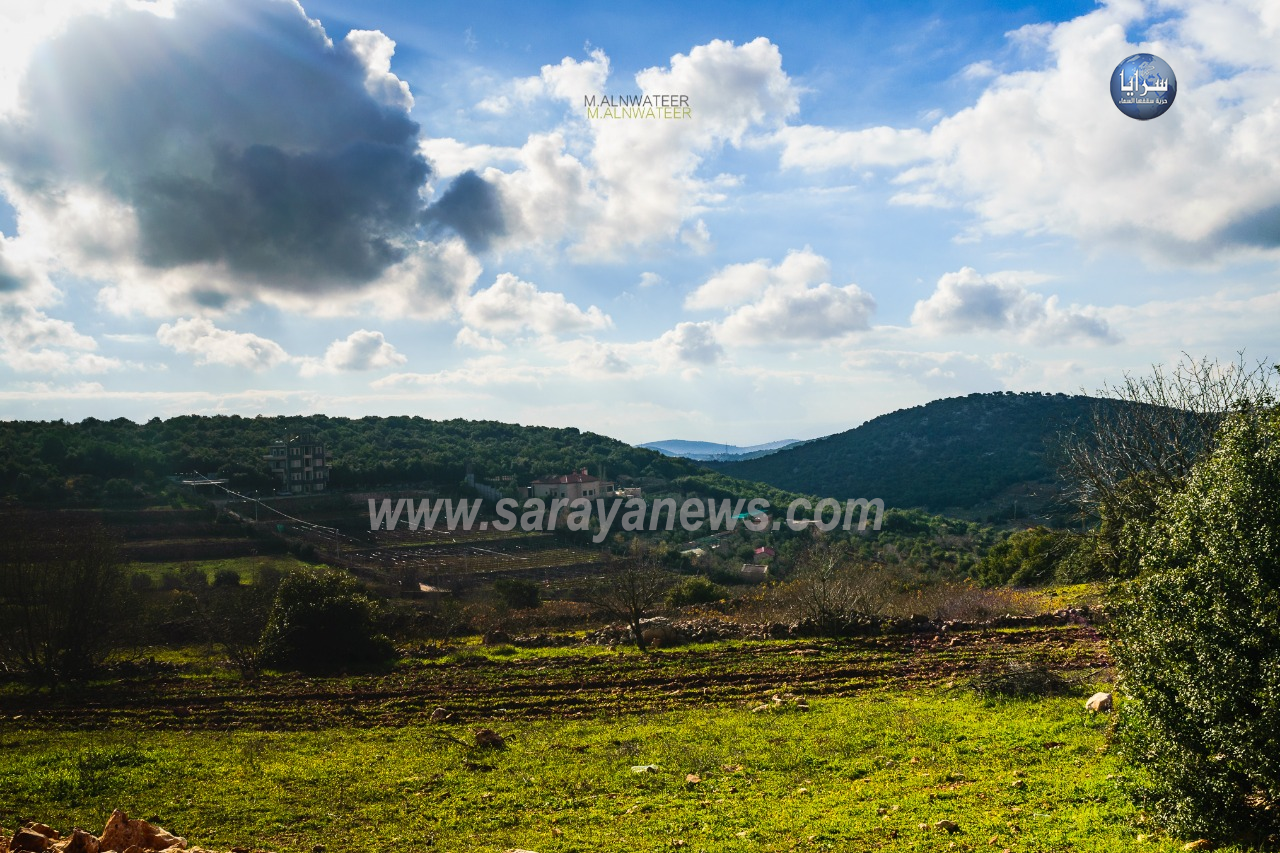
(949, 454)
(97, 462)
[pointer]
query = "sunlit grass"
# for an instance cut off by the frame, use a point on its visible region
(858, 773)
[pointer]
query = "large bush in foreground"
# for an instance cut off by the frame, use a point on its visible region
(323, 620)
(1197, 642)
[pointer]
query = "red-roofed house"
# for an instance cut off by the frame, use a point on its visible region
(764, 554)
(579, 484)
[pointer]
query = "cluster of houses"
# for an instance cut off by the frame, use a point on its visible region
(756, 570)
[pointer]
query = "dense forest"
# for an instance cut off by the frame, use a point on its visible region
(97, 462)
(948, 455)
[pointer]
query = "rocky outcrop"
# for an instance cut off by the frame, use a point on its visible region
(121, 835)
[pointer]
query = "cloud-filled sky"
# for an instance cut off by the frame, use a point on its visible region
(380, 207)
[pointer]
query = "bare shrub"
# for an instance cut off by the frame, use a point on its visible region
(964, 601)
(1020, 679)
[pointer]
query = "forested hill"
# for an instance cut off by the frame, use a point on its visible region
(961, 453)
(82, 462)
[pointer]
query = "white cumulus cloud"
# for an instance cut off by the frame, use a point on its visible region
(361, 350)
(209, 344)
(787, 302)
(510, 306)
(581, 184)
(200, 156)
(966, 302)
(690, 343)
(739, 283)
(1044, 150)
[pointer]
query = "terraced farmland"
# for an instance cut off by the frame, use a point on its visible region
(484, 684)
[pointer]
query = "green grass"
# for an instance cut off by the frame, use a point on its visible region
(1073, 595)
(775, 781)
(247, 567)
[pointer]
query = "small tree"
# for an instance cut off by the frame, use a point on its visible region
(323, 620)
(1196, 640)
(226, 578)
(233, 618)
(829, 588)
(695, 590)
(62, 595)
(632, 587)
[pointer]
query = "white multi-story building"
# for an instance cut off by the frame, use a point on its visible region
(300, 463)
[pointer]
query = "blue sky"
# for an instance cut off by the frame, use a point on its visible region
(261, 207)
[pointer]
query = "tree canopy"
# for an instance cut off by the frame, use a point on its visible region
(1196, 638)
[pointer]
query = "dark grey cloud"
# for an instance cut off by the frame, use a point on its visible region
(472, 209)
(237, 132)
(207, 298)
(1260, 229)
(294, 218)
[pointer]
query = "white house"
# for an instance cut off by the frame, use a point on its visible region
(579, 484)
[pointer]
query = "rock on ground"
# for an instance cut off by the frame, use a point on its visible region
(489, 739)
(121, 835)
(1099, 703)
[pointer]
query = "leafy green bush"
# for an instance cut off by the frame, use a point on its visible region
(193, 578)
(1197, 641)
(1026, 558)
(226, 577)
(323, 620)
(695, 590)
(518, 594)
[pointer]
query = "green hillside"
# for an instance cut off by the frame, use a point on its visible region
(972, 454)
(96, 461)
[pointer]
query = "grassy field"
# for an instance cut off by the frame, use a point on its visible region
(892, 740)
(857, 773)
(246, 567)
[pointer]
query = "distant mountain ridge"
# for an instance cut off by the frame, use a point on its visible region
(707, 451)
(982, 455)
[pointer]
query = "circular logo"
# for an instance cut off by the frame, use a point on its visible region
(1143, 86)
